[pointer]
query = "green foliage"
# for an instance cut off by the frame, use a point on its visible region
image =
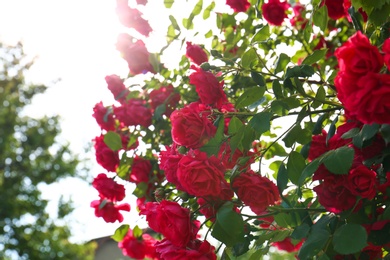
(30, 156)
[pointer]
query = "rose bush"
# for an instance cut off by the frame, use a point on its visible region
(273, 132)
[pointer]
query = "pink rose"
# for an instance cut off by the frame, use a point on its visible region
(209, 89)
(164, 96)
(362, 182)
(108, 210)
(358, 57)
(274, 11)
(141, 170)
(133, 112)
(335, 8)
(104, 117)
(195, 250)
(138, 248)
(256, 191)
(117, 88)
(201, 175)
(238, 5)
(108, 188)
(142, 2)
(106, 157)
(135, 54)
(196, 54)
(132, 18)
(171, 220)
(191, 126)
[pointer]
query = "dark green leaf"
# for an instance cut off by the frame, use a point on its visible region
(295, 165)
(250, 96)
(314, 243)
(258, 78)
(320, 18)
(320, 97)
(236, 130)
(120, 233)
(261, 122)
(282, 178)
(378, 16)
(248, 58)
(229, 226)
(385, 131)
(297, 134)
(248, 138)
(318, 126)
(343, 243)
(113, 140)
(308, 171)
(315, 57)
(277, 88)
(300, 232)
(332, 129)
(351, 133)
(299, 71)
(339, 161)
(369, 131)
(214, 144)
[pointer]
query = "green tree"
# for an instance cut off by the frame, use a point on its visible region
(30, 155)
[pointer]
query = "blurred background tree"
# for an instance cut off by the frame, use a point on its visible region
(31, 154)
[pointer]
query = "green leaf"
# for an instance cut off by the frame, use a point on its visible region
(120, 233)
(262, 35)
(207, 11)
(168, 3)
(282, 178)
(295, 165)
(261, 122)
(369, 131)
(248, 58)
(174, 23)
(351, 133)
(339, 161)
(277, 88)
(378, 16)
(297, 134)
(320, 97)
(283, 220)
(137, 232)
(300, 232)
(248, 138)
(385, 131)
(281, 63)
(140, 190)
(187, 22)
(314, 243)
(332, 129)
(214, 144)
(258, 78)
(308, 171)
(343, 242)
(235, 130)
(316, 56)
(198, 8)
(113, 140)
(229, 226)
(307, 31)
(250, 96)
(299, 71)
(320, 18)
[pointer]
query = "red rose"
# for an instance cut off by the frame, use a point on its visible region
(209, 89)
(369, 103)
(133, 112)
(140, 170)
(108, 210)
(195, 250)
(169, 161)
(298, 20)
(200, 175)
(274, 11)
(164, 96)
(256, 191)
(362, 182)
(106, 157)
(229, 161)
(358, 57)
(117, 88)
(132, 18)
(171, 220)
(333, 194)
(196, 54)
(335, 8)
(287, 245)
(386, 51)
(137, 248)
(104, 117)
(191, 126)
(238, 5)
(108, 188)
(135, 54)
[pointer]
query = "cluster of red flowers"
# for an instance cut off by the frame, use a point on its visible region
(362, 87)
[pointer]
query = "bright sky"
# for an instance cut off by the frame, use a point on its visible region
(74, 40)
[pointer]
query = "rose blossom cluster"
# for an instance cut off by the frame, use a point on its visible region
(362, 84)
